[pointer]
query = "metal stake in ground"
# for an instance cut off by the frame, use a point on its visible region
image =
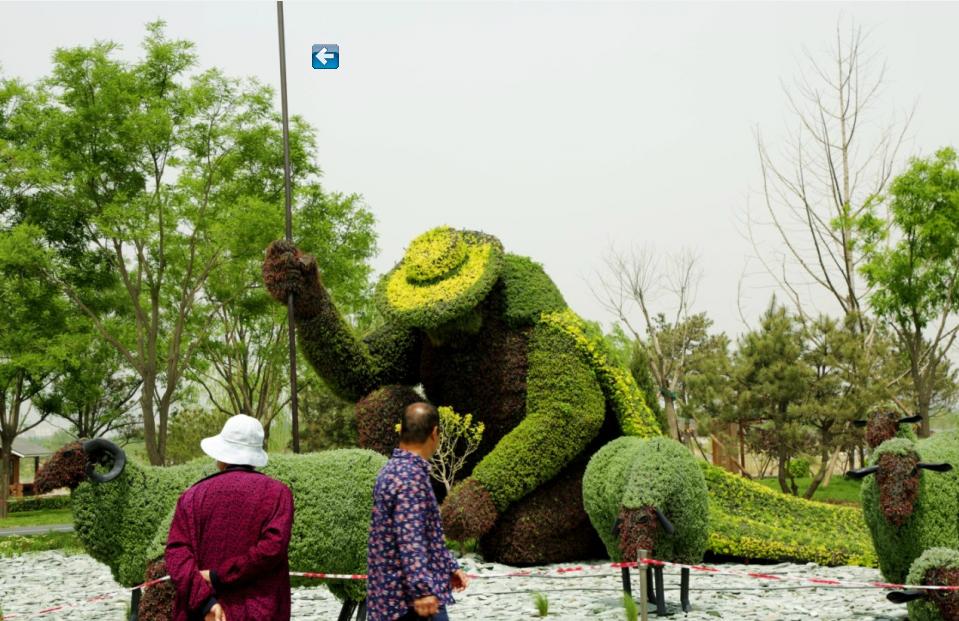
(641, 565)
(294, 405)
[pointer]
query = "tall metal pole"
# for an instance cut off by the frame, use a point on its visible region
(294, 404)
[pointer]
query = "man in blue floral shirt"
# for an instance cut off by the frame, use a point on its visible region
(410, 572)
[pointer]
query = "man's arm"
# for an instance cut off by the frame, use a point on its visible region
(267, 551)
(409, 520)
(181, 564)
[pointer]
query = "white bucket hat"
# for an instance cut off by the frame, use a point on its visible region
(239, 444)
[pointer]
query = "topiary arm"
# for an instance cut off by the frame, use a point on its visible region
(352, 367)
(565, 409)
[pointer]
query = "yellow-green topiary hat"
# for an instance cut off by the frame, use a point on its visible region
(444, 274)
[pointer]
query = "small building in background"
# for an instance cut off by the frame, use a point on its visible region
(24, 449)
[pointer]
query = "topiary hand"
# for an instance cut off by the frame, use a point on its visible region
(468, 511)
(287, 270)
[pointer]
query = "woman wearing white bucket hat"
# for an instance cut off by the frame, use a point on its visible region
(227, 548)
(239, 444)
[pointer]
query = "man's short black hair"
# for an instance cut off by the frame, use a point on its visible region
(417, 422)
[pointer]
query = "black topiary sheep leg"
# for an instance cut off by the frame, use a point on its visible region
(650, 588)
(135, 605)
(361, 611)
(660, 592)
(684, 588)
(627, 585)
(346, 612)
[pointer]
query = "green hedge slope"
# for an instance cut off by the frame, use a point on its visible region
(750, 521)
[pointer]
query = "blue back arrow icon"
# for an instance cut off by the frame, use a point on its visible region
(326, 56)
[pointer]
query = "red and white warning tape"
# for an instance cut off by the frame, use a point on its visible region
(559, 571)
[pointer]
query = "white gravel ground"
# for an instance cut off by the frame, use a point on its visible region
(46, 579)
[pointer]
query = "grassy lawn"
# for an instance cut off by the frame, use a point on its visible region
(14, 546)
(840, 490)
(37, 518)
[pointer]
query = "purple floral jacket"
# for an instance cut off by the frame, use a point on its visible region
(407, 557)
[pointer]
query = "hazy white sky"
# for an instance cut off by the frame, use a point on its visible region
(559, 127)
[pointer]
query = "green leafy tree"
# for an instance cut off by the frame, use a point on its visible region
(142, 171)
(93, 390)
(33, 318)
(914, 268)
(328, 422)
(244, 360)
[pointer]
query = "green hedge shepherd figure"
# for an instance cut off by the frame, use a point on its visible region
(486, 332)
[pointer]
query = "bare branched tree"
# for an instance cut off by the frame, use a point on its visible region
(836, 161)
(838, 158)
(634, 281)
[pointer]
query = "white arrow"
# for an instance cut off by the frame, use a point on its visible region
(324, 56)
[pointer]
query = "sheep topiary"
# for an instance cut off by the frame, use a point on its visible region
(884, 423)
(912, 503)
(935, 566)
(123, 521)
(649, 494)
(115, 518)
(486, 332)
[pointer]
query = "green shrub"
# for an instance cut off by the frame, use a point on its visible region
(638, 473)
(116, 521)
(799, 467)
(928, 562)
(933, 520)
(750, 521)
(15, 545)
(39, 503)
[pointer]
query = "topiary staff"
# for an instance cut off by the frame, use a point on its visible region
(912, 504)
(122, 517)
(649, 494)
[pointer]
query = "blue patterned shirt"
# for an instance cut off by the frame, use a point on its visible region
(407, 558)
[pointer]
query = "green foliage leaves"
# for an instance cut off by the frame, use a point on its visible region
(187, 428)
(429, 305)
(459, 438)
(124, 523)
(915, 277)
(931, 562)
(619, 388)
